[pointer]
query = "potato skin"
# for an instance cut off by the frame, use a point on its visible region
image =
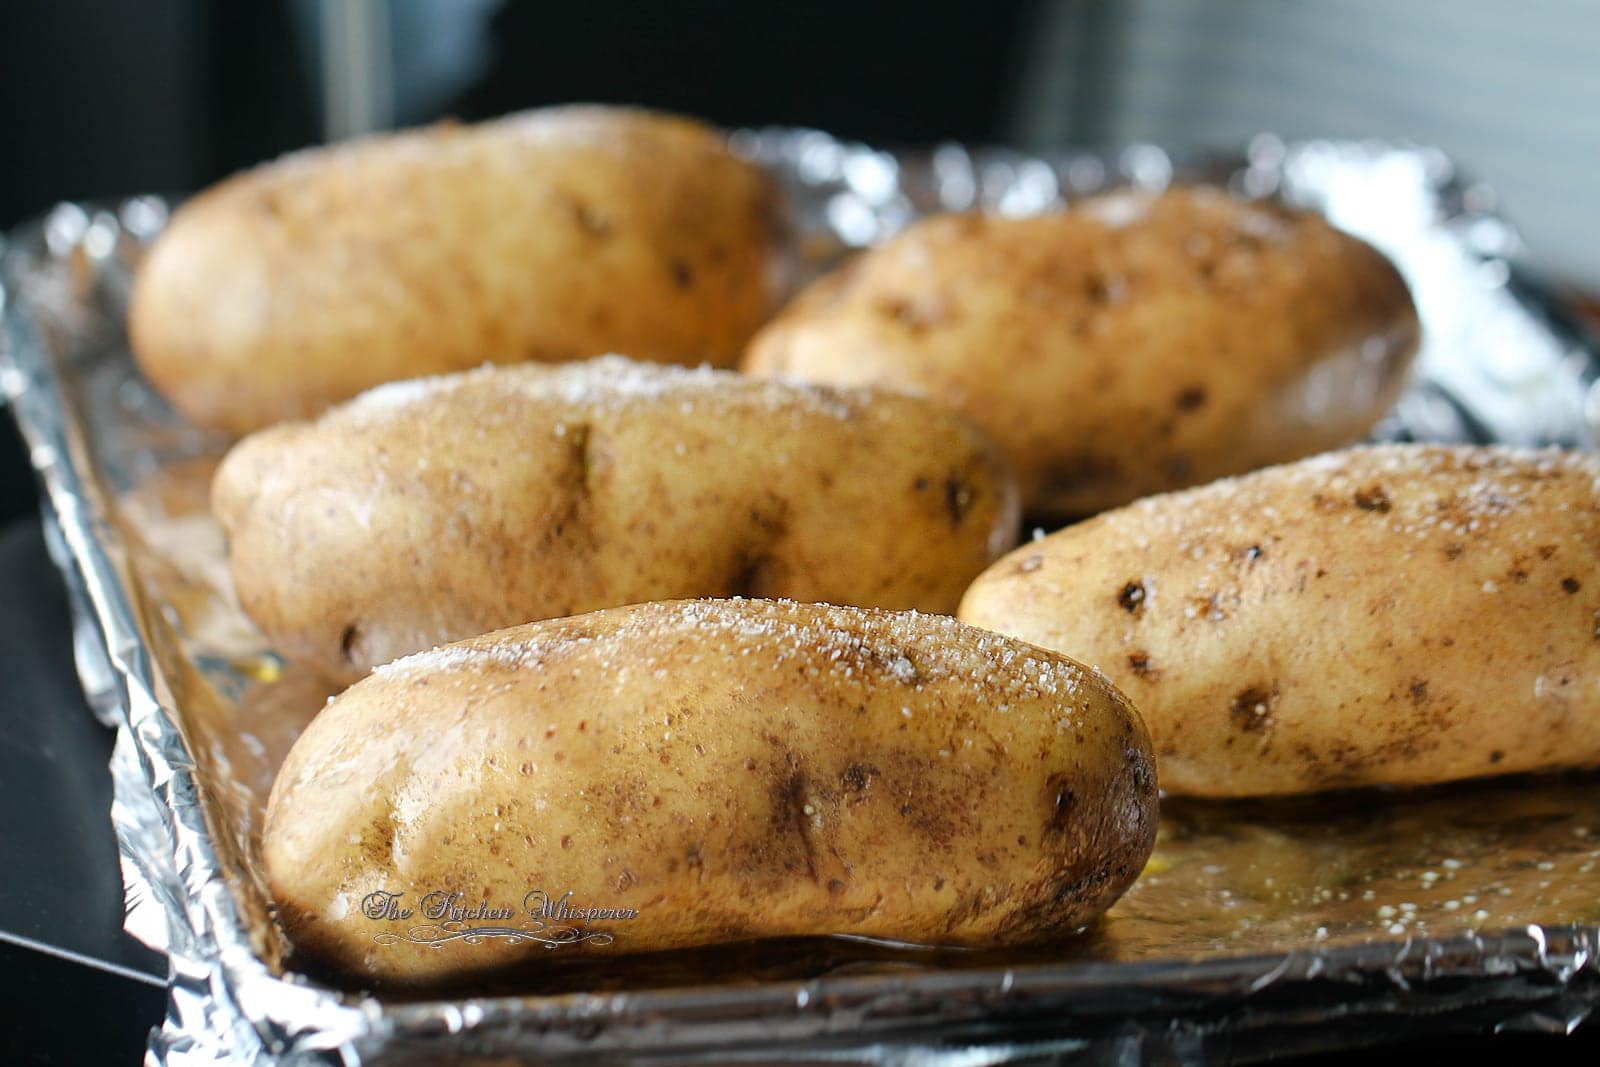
(430, 511)
(1394, 615)
(731, 770)
(551, 235)
(1132, 344)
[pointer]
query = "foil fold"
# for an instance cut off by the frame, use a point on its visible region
(1286, 946)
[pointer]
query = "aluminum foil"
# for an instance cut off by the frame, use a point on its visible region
(1257, 929)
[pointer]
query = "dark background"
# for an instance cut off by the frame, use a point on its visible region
(103, 99)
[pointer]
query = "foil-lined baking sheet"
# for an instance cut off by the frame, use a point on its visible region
(1258, 928)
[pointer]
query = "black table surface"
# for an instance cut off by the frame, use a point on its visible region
(74, 988)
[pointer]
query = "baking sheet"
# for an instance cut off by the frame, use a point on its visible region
(1255, 927)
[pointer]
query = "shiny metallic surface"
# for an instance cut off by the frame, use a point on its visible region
(1310, 924)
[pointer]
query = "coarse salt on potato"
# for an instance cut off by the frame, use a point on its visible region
(693, 773)
(428, 511)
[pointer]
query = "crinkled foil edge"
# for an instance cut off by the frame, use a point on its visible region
(227, 1006)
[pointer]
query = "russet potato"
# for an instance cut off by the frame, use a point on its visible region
(1131, 344)
(548, 236)
(692, 773)
(433, 510)
(1393, 615)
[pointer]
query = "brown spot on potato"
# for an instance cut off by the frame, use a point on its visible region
(1252, 708)
(1373, 498)
(789, 812)
(1496, 756)
(379, 844)
(1192, 398)
(1082, 473)
(580, 469)
(958, 499)
(755, 577)
(916, 316)
(347, 643)
(1139, 663)
(1061, 803)
(682, 274)
(1571, 585)
(772, 519)
(1419, 691)
(1132, 597)
(1453, 550)
(858, 777)
(589, 218)
(566, 840)
(977, 904)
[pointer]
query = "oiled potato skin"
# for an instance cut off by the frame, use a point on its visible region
(1129, 345)
(729, 770)
(1394, 615)
(431, 511)
(549, 236)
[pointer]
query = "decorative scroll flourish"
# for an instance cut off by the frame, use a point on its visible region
(550, 936)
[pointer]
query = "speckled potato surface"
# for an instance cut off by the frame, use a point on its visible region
(1132, 344)
(727, 771)
(433, 510)
(551, 235)
(1393, 615)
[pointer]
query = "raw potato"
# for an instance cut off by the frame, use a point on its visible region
(1397, 615)
(728, 770)
(1130, 345)
(433, 510)
(549, 236)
